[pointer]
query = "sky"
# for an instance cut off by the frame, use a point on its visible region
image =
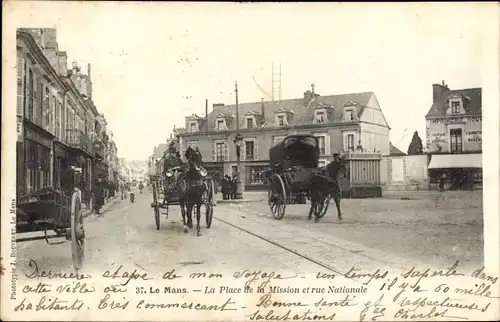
(154, 63)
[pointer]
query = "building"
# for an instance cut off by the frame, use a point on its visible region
(154, 163)
(454, 135)
(342, 123)
(53, 139)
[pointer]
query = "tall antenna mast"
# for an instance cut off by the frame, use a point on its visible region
(276, 81)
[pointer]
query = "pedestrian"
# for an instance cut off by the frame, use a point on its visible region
(225, 187)
(98, 191)
(234, 186)
(442, 180)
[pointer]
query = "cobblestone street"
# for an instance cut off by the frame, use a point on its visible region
(433, 230)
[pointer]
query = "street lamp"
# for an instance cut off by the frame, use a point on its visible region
(238, 141)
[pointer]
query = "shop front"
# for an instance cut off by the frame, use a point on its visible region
(37, 159)
(60, 177)
(461, 171)
(215, 170)
(255, 178)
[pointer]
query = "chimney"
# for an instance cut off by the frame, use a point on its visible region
(206, 108)
(74, 66)
(438, 92)
(89, 71)
(307, 98)
(62, 63)
(217, 105)
(262, 110)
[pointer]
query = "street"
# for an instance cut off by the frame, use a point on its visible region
(432, 231)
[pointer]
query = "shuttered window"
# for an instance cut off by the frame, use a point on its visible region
(20, 86)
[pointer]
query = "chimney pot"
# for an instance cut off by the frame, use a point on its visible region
(74, 64)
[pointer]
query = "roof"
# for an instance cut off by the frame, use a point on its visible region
(159, 150)
(301, 114)
(471, 98)
(395, 151)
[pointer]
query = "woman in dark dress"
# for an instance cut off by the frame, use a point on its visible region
(98, 191)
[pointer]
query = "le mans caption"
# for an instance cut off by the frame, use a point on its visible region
(260, 295)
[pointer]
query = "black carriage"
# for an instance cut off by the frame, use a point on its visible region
(292, 162)
(51, 209)
(169, 185)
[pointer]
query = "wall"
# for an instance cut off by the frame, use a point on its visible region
(407, 172)
(438, 134)
(375, 137)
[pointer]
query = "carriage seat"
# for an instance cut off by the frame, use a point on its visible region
(301, 178)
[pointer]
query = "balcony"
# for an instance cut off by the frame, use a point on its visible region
(79, 140)
(99, 148)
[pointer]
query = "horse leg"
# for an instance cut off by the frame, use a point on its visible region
(183, 212)
(337, 203)
(198, 206)
(189, 214)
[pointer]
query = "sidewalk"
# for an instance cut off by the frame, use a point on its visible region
(261, 196)
(111, 201)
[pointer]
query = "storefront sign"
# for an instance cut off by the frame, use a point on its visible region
(38, 138)
(456, 120)
(438, 137)
(473, 136)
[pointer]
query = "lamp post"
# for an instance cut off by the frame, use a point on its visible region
(238, 140)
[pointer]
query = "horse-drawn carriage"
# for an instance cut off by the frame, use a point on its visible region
(186, 185)
(294, 177)
(51, 209)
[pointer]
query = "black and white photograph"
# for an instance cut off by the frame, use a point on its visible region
(250, 161)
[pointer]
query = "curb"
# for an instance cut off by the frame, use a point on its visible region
(105, 207)
(240, 201)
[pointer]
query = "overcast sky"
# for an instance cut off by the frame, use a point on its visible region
(147, 58)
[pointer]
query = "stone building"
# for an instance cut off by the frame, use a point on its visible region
(454, 136)
(341, 122)
(53, 137)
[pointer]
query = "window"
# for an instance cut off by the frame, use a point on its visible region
(219, 151)
(58, 118)
(255, 175)
(249, 150)
(281, 120)
(31, 96)
(321, 144)
(193, 126)
(455, 107)
(350, 142)
(320, 117)
(249, 122)
(349, 115)
(221, 125)
(456, 140)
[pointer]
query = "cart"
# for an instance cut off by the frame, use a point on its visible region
(284, 183)
(172, 194)
(52, 209)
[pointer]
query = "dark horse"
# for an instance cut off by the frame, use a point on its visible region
(325, 185)
(192, 187)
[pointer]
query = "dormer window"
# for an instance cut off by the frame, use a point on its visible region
(193, 126)
(320, 116)
(221, 124)
(349, 115)
(281, 119)
(455, 107)
(249, 122)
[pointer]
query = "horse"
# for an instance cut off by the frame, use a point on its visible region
(325, 184)
(192, 188)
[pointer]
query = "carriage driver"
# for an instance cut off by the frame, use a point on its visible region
(337, 159)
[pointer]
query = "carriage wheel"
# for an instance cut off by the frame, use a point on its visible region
(77, 231)
(322, 207)
(209, 202)
(277, 196)
(156, 207)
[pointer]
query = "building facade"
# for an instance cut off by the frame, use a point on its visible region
(55, 117)
(342, 123)
(454, 136)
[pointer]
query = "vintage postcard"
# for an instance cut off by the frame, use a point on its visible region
(197, 161)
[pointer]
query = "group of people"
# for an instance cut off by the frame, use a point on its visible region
(228, 188)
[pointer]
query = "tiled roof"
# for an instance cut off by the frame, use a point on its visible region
(395, 151)
(301, 113)
(471, 98)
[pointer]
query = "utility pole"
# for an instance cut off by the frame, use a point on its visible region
(238, 140)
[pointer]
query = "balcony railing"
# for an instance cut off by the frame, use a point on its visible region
(78, 140)
(99, 148)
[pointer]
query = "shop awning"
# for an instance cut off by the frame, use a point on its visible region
(444, 161)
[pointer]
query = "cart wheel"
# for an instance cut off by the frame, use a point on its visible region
(322, 207)
(156, 207)
(77, 231)
(209, 202)
(277, 196)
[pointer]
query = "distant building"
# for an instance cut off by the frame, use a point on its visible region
(454, 135)
(342, 123)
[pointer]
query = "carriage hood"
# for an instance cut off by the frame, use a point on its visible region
(296, 150)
